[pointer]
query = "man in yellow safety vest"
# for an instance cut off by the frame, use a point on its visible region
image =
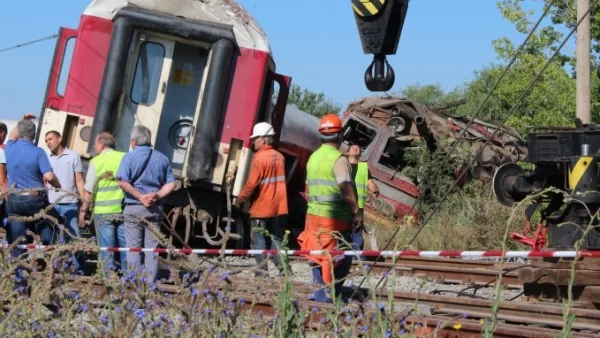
(103, 190)
(332, 208)
(361, 176)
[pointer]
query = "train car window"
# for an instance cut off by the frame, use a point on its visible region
(358, 133)
(393, 154)
(147, 73)
(290, 163)
(267, 102)
(63, 75)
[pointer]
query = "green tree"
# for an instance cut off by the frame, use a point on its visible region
(313, 103)
(551, 102)
(543, 44)
(432, 95)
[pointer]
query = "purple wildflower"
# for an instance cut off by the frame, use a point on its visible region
(140, 313)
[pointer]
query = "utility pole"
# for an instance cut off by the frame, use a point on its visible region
(583, 92)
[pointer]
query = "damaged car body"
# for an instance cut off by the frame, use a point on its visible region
(387, 127)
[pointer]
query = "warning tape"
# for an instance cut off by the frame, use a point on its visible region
(366, 253)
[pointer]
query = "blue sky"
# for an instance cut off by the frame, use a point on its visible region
(314, 41)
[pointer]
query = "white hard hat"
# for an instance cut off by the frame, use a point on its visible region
(262, 129)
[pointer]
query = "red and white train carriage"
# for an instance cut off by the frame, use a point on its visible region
(199, 75)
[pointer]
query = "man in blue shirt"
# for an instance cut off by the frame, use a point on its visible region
(27, 167)
(146, 177)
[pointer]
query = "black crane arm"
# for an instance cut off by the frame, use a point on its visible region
(380, 25)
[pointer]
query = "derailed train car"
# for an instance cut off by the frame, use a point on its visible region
(199, 75)
(386, 127)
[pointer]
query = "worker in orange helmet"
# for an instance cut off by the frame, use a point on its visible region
(332, 208)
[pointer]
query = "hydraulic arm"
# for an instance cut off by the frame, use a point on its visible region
(380, 25)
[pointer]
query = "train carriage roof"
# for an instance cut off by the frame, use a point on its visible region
(246, 30)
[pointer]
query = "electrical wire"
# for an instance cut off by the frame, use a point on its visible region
(28, 43)
(461, 137)
(508, 114)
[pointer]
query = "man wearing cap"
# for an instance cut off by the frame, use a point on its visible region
(266, 190)
(332, 208)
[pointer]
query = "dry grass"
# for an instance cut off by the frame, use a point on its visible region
(471, 219)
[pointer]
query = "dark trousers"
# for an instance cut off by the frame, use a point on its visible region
(27, 206)
(259, 241)
(358, 243)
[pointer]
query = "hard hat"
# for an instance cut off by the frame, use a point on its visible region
(262, 129)
(330, 124)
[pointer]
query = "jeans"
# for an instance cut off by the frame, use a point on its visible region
(69, 213)
(27, 206)
(358, 243)
(111, 234)
(339, 273)
(138, 236)
(259, 241)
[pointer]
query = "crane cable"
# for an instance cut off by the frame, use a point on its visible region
(508, 114)
(28, 43)
(462, 135)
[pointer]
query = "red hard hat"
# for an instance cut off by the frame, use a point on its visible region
(330, 124)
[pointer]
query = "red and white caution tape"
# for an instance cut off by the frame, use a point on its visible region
(366, 253)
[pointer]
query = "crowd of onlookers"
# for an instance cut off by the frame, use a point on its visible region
(124, 192)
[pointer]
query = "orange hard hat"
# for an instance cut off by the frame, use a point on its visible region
(330, 124)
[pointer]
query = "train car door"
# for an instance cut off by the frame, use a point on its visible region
(181, 103)
(145, 89)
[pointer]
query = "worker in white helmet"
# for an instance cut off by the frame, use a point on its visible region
(265, 189)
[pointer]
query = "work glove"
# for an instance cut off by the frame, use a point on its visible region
(357, 222)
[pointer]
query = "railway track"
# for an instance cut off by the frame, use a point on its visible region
(448, 316)
(449, 270)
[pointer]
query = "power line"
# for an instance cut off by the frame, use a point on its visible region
(458, 141)
(508, 114)
(28, 43)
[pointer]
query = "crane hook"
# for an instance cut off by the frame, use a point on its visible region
(380, 81)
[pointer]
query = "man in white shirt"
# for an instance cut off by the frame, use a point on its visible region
(68, 168)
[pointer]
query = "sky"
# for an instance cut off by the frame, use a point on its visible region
(316, 42)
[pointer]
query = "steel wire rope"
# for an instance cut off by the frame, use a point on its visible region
(28, 43)
(508, 114)
(460, 139)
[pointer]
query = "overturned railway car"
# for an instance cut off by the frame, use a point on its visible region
(199, 75)
(387, 127)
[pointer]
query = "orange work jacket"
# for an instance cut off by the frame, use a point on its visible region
(265, 188)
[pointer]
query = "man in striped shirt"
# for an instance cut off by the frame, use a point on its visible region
(266, 190)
